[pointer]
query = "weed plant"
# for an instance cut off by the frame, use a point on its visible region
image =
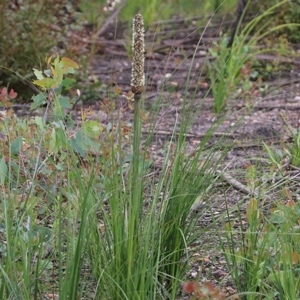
(264, 258)
(43, 219)
(230, 65)
(142, 250)
(32, 29)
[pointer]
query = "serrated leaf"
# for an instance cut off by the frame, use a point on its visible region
(38, 100)
(38, 74)
(68, 82)
(3, 170)
(67, 62)
(16, 145)
(45, 83)
(64, 102)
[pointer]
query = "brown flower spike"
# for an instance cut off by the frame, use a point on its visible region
(138, 47)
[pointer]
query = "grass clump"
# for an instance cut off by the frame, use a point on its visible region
(232, 73)
(74, 198)
(141, 252)
(264, 257)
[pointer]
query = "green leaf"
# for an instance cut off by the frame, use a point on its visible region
(64, 102)
(69, 71)
(56, 60)
(78, 144)
(40, 122)
(39, 74)
(38, 100)
(45, 83)
(68, 82)
(16, 145)
(92, 129)
(57, 72)
(3, 170)
(58, 141)
(278, 217)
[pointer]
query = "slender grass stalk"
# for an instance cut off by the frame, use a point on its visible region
(142, 253)
(137, 87)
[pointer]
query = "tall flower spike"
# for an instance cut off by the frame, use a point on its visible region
(138, 48)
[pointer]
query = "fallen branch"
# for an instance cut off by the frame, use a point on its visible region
(237, 185)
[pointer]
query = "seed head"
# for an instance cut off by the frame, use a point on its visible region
(138, 48)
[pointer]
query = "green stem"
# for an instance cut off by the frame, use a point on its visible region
(136, 187)
(136, 149)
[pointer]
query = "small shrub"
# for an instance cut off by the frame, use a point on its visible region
(30, 30)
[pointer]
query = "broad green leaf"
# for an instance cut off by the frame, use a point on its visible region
(38, 100)
(58, 140)
(40, 122)
(3, 170)
(39, 74)
(64, 102)
(91, 144)
(56, 60)
(16, 145)
(68, 82)
(45, 83)
(57, 72)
